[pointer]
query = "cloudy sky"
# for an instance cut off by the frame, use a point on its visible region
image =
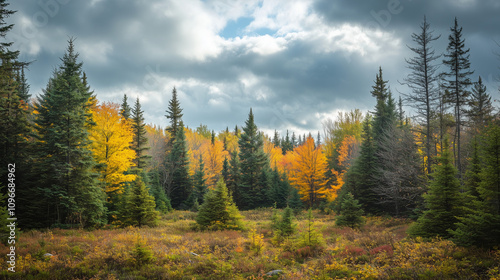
(295, 62)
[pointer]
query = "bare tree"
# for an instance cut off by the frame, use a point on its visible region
(401, 177)
(423, 82)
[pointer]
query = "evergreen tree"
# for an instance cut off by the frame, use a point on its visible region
(310, 236)
(253, 161)
(276, 139)
(472, 178)
(225, 170)
(443, 200)
(14, 125)
(125, 108)
(457, 59)
(140, 206)
(351, 213)
(24, 87)
(286, 144)
(68, 185)
(481, 226)
(140, 141)
(174, 114)
(179, 187)
(294, 200)
(423, 82)
(161, 200)
(293, 141)
(481, 110)
(318, 140)
(361, 182)
(280, 189)
(285, 227)
(218, 210)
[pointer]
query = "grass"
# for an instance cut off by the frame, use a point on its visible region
(379, 250)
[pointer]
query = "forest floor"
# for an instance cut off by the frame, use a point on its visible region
(379, 250)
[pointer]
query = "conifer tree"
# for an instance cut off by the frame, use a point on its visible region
(457, 59)
(161, 200)
(70, 189)
(481, 111)
(276, 139)
(472, 178)
(253, 161)
(351, 213)
(234, 177)
(225, 170)
(174, 114)
(140, 206)
(179, 187)
(481, 225)
(125, 110)
(140, 141)
(218, 210)
(294, 200)
(285, 227)
(310, 236)
(443, 200)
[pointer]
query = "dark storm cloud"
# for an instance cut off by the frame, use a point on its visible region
(144, 48)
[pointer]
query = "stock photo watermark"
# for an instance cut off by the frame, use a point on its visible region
(11, 219)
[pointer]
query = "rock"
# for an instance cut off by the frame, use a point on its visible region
(48, 255)
(194, 254)
(274, 272)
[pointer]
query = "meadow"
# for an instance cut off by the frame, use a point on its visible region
(380, 249)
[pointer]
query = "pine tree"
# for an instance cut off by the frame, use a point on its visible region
(24, 87)
(218, 210)
(443, 200)
(253, 161)
(14, 125)
(140, 206)
(174, 114)
(423, 82)
(225, 170)
(276, 139)
(140, 141)
(125, 108)
(457, 59)
(234, 177)
(70, 189)
(361, 182)
(179, 188)
(481, 225)
(279, 190)
(351, 213)
(310, 236)
(285, 227)
(472, 178)
(481, 110)
(161, 200)
(294, 200)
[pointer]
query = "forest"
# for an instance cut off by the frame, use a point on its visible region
(100, 194)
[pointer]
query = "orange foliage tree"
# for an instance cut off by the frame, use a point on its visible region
(213, 158)
(275, 155)
(111, 137)
(347, 151)
(307, 172)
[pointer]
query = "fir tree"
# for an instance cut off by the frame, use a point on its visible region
(481, 226)
(218, 210)
(140, 206)
(140, 141)
(276, 139)
(174, 114)
(472, 178)
(351, 213)
(285, 227)
(24, 87)
(457, 59)
(234, 176)
(125, 108)
(70, 189)
(253, 161)
(179, 188)
(161, 200)
(310, 236)
(481, 110)
(294, 200)
(200, 186)
(443, 200)
(225, 170)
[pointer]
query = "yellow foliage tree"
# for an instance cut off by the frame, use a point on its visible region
(213, 158)
(347, 151)
(307, 171)
(111, 137)
(275, 155)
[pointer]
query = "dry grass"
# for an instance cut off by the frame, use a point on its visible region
(379, 250)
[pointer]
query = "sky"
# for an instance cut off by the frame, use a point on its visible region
(296, 63)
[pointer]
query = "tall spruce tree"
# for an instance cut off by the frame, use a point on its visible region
(140, 141)
(443, 200)
(481, 225)
(481, 111)
(174, 114)
(140, 206)
(199, 182)
(253, 161)
(234, 178)
(457, 83)
(69, 185)
(179, 187)
(423, 82)
(125, 108)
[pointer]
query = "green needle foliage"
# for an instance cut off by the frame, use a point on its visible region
(351, 213)
(218, 211)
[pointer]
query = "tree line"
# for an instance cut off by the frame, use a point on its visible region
(82, 162)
